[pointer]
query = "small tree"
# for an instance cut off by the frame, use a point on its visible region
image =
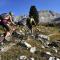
(34, 13)
(29, 24)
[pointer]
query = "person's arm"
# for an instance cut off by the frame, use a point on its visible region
(7, 32)
(11, 19)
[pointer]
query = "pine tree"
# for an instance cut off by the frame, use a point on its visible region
(34, 13)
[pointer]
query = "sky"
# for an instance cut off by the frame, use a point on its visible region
(21, 7)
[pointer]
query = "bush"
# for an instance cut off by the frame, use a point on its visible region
(34, 13)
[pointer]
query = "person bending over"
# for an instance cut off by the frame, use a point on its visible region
(5, 21)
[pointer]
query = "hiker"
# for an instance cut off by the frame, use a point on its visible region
(30, 22)
(5, 21)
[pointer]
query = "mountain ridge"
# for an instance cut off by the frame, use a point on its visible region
(45, 16)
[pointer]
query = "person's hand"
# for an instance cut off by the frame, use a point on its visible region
(7, 24)
(14, 29)
(8, 34)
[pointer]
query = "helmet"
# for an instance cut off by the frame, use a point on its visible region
(10, 13)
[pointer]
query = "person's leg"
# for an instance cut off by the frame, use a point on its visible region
(30, 27)
(6, 27)
(7, 33)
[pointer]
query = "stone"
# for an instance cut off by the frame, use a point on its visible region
(52, 58)
(43, 36)
(1, 39)
(27, 44)
(48, 53)
(23, 57)
(32, 58)
(42, 46)
(55, 49)
(33, 50)
(57, 59)
(53, 44)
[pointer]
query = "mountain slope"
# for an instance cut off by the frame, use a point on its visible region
(45, 16)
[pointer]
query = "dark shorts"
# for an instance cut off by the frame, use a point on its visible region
(5, 26)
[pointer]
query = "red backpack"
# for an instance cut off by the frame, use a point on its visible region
(2, 16)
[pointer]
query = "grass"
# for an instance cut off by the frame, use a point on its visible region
(55, 36)
(17, 50)
(46, 30)
(14, 53)
(52, 32)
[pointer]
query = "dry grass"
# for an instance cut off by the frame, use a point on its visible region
(17, 50)
(55, 36)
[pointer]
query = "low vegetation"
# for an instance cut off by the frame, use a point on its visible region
(17, 50)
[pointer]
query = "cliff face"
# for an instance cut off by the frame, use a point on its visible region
(48, 16)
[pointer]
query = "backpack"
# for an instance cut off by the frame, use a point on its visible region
(3, 15)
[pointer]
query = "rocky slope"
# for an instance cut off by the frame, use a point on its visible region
(36, 46)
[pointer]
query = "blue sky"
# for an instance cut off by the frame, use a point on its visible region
(21, 7)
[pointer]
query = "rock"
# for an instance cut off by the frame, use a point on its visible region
(48, 53)
(43, 54)
(22, 22)
(55, 49)
(33, 50)
(32, 58)
(57, 59)
(44, 39)
(1, 39)
(43, 36)
(52, 58)
(23, 57)
(53, 44)
(27, 44)
(42, 46)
